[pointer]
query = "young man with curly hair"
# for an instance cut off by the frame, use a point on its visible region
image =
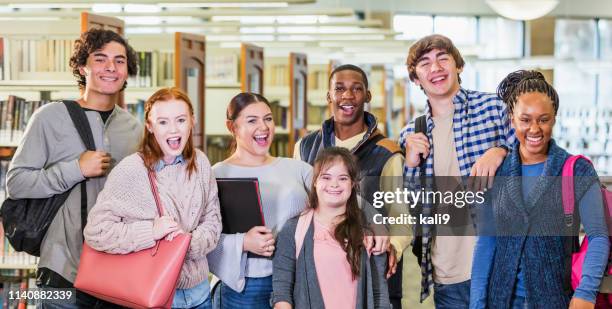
(52, 159)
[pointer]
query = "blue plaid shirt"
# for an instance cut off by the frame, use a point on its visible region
(480, 122)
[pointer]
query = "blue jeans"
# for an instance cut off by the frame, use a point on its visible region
(452, 296)
(256, 295)
(207, 304)
(518, 302)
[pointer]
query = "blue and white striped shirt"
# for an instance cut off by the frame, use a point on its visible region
(480, 122)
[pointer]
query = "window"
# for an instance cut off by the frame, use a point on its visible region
(575, 86)
(500, 38)
(413, 27)
(575, 39)
(605, 37)
(461, 30)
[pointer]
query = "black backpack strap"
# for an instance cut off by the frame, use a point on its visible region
(420, 126)
(77, 114)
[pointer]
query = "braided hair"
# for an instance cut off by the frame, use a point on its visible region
(523, 81)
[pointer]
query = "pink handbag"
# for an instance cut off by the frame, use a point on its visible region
(143, 279)
(604, 297)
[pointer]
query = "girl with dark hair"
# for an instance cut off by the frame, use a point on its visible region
(125, 217)
(524, 260)
(321, 261)
(242, 261)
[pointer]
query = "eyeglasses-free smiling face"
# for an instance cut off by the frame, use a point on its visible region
(106, 69)
(334, 185)
(347, 95)
(254, 129)
(533, 119)
(171, 123)
(438, 74)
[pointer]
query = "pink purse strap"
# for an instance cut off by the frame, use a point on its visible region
(567, 187)
(158, 203)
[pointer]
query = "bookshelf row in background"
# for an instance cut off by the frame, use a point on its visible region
(25, 59)
(49, 60)
(15, 113)
(9, 258)
(12, 282)
(155, 69)
(587, 130)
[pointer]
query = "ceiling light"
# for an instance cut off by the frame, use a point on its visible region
(226, 5)
(106, 8)
(522, 9)
(50, 5)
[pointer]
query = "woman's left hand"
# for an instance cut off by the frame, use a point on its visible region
(171, 236)
(579, 303)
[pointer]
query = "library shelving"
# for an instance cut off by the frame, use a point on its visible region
(287, 88)
(35, 66)
(298, 98)
(230, 71)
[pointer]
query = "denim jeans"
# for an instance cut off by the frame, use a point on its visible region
(518, 302)
(395, 287)
(452, 296)
(207, 304)
(256, 295)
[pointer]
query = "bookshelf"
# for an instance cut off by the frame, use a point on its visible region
(298, 98)
(189, 72)
(35, 65)
(234, 70)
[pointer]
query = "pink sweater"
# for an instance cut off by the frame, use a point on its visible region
(121, 221)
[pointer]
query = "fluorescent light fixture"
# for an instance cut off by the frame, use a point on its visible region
(106, 8)
(142, 8)
(50, 5)
(304, 19)
(522, 9)
(31, 18)
(152, 30)
(152, 20)
(226, 5)
(245, 19)
(257, 29)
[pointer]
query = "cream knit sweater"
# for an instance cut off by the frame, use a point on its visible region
(122, 219)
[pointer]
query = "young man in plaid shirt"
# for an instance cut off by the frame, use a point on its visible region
(470, 132)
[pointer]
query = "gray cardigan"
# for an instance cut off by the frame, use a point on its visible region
(296, 282)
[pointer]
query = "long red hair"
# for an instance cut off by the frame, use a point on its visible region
(149, 148)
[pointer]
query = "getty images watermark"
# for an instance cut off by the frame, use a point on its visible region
(411, 198)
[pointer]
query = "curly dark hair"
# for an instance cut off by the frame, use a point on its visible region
(523, 81)
(93, 40)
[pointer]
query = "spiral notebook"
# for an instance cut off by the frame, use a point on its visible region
(240, 204)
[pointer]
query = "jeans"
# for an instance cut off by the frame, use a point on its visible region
(452, 296)
(518, 302)
(207, 304)
(256, 295)
(395, 287)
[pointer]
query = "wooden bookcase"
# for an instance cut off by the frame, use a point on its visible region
(190, 75)
(298, 98)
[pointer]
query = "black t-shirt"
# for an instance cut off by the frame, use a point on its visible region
(103, 114)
